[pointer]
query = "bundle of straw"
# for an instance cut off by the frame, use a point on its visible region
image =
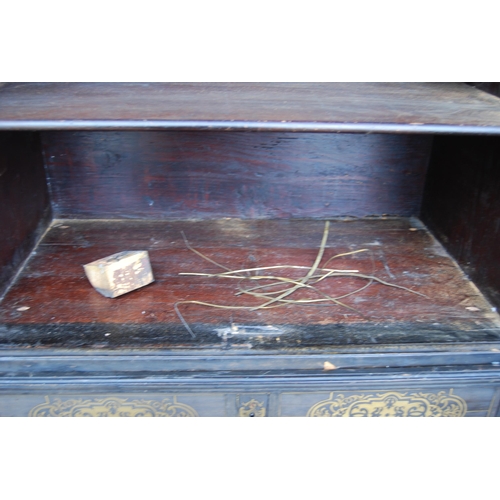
(287, 286)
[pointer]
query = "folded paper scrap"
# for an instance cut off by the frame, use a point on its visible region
(120, 273)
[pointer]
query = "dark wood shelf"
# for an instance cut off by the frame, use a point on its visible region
(326, 107)
(66, 312)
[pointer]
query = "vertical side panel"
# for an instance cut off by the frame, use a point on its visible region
(24, 200)
(462, 205)
(492, 88)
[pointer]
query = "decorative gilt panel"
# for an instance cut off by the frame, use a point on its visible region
(391, 404)
(112, 407)
(251, 408)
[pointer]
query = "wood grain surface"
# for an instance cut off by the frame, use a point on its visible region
(24, 200)
(172, 174)
(462, 206)
(445, 107)
(65, 310)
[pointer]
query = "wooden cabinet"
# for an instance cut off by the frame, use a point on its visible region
(318, 249)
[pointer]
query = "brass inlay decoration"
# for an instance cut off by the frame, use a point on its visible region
(112, 407)
(252, 408)
(391, 404)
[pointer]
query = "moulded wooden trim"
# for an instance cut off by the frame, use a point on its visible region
(326, 107)
(249, 126)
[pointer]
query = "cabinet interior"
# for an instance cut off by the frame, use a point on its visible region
(423, 207)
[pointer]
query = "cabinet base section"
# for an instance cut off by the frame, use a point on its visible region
(450, 394)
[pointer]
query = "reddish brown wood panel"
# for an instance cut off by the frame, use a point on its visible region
(59, 105)
(462, 205)
(401, 251)
(171, 174)
(24, 201)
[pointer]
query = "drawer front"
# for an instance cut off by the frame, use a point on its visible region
(137, 405)
(422, 402)
(461, 401)
(113, 405)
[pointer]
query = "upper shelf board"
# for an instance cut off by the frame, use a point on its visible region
(321, 107)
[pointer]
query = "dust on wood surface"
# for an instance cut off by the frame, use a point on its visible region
(56, 290)
(245, 105)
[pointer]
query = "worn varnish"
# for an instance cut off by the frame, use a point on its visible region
(404, 394)
(247, 175)
(394, 107)
(62, 303)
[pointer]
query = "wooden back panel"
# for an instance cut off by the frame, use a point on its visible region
(207, 174)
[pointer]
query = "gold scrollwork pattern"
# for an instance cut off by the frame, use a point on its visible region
(391, 404)
(112, 407)
(252, 408)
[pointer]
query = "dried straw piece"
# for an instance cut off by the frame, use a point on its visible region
(271, 301)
